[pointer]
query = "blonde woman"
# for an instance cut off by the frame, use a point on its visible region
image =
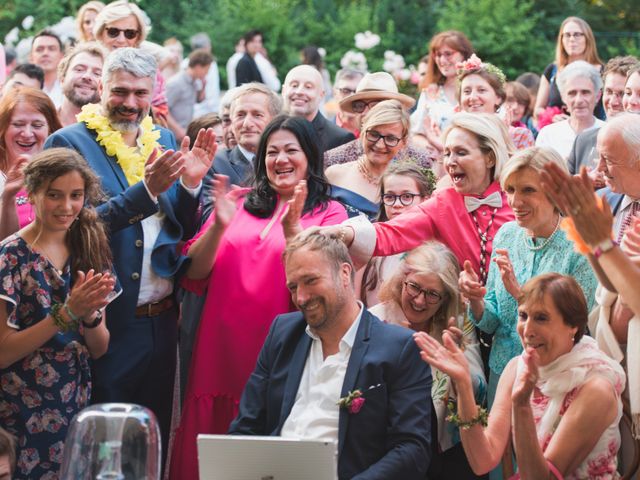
(85, 20)
(357, 184)
(423, 296)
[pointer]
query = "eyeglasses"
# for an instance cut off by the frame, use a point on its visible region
(431, 296)
(406, 199)
(389, 140)
(129, 33)
(359, 106)
(346, 91)
(576, 35)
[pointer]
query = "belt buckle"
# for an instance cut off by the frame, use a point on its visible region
(149, 306)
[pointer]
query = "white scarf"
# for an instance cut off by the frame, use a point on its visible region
(570, 371)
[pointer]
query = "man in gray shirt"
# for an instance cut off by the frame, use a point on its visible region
(184, 89)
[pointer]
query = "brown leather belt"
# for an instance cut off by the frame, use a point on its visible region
(155, 308)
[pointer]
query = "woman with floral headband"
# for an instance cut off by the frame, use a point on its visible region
(481, 89)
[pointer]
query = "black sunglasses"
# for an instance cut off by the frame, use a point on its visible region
(129, 33)
(359, 106)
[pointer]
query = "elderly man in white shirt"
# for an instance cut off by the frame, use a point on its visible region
(580, 86)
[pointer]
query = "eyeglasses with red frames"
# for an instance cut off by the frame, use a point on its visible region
(129, 33)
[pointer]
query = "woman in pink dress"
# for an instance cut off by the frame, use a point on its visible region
(559, 401)
(27, 118)
(237, 258)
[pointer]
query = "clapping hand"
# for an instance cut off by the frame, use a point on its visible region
(161, 171)
(526, 378)
(198, 160)
(448, 357)
(506, 272)
(15, 177)
(295, 206)
(90, 293)
(574, 196)
(225, 200)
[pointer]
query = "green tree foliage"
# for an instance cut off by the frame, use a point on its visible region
(515, 35)
(503, 32)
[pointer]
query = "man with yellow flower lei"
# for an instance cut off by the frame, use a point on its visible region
(153, 192)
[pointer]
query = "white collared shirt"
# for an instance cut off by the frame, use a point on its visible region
(153, 287)
(247, 154)
(315, 413)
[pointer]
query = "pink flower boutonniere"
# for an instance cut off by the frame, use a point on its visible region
(353, 402)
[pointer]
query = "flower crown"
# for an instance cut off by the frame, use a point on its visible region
(474, 63)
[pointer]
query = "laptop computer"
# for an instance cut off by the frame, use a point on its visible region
(236, 457)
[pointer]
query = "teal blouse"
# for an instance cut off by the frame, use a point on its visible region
(500, 315)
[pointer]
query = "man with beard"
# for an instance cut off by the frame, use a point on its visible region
(79, 73)
(152, 192)
(335, 372)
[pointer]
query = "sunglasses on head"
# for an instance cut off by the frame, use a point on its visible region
(129, 33)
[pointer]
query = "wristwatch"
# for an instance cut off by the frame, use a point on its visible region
(603, 247)
(96, 321)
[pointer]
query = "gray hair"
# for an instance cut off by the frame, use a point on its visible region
(348, 74)
(200, 40)
(628, 126)
(274, 100)
(579, 69)
(227, 98)
(137, 62)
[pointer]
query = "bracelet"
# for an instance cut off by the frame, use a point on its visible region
(96, 321)
(72, 316)
(480, 419)
(59, 320)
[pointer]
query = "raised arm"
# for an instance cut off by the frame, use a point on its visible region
(483, 446)
(203, 251)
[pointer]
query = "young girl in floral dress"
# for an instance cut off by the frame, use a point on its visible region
(54, 284)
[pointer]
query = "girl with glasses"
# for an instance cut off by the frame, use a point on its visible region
(357, 184)
(401, 187)
(423, 295)
(575, 42)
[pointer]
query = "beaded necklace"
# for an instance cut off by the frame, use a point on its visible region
(484, 238)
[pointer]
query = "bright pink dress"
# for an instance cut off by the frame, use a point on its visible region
(26, 215)
(443, 217)
(246, 291)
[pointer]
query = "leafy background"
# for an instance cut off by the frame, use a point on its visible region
(517, 35)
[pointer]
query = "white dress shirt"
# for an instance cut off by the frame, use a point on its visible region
(315, 413)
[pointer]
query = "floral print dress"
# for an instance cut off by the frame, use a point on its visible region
(43, 391)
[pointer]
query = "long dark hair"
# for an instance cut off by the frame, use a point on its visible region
(261, 200)
(87, 237)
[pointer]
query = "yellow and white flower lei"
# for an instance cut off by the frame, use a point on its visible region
(130, 159)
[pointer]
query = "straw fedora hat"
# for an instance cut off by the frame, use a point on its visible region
(378, 85)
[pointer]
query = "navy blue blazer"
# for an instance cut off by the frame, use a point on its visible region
(390, 437)
(125, 207)
(329, 134)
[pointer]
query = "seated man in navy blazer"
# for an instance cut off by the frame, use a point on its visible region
(331, 351)
(151, 206)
